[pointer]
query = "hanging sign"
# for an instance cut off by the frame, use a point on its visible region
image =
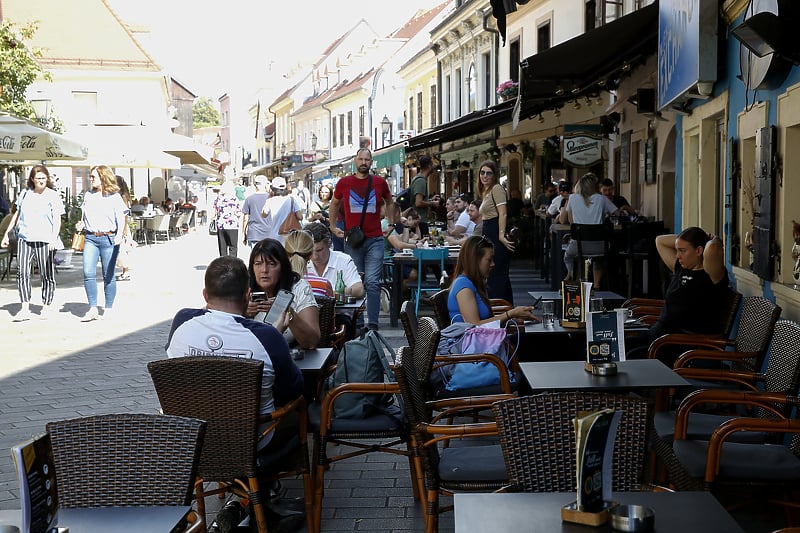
(582, 149)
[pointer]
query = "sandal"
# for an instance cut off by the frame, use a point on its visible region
(125, 276)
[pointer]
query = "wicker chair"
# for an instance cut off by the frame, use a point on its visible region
(538, 439)
(196, 386)
(750, 331)
(410, 321)
(764, 470)
(329, 337)
(448, 469)
(389, 429)
(127, 460)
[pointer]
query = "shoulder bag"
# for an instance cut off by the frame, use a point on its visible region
(355, 236)
(291, 222)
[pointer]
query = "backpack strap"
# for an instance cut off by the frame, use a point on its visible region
(378, 341)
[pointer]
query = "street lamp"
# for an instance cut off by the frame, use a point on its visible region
(41, 108)
(283, 149)
(386, 128)
(314, 142)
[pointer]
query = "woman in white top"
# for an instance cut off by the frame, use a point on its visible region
(270, 271)
(585, 206)
(103, 223)
(38, 222)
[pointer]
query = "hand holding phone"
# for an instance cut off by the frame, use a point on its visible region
(279, 306)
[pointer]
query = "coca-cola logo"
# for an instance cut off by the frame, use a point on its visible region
(28, 142)
(8, 144)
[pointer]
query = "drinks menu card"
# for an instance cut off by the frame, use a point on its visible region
(605, 336)
(38, 493)
(595, 433)
(575, 297)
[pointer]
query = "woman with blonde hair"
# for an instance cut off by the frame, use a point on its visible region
(493, 212)
(300, 246)
(103, 223)
(38, 222)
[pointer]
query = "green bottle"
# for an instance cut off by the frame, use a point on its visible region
(339, 288)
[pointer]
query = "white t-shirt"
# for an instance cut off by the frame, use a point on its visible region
(598, 207)
(303, 297)
(38, 214)
(465, 222)
(555, 206)
(103, 213)
(338, 261)
(278, 208)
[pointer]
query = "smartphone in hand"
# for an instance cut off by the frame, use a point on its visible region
(281, 304)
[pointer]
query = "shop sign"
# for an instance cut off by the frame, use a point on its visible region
(404, 135)
(582, 149)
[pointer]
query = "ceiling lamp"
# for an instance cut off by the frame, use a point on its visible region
(559, 91)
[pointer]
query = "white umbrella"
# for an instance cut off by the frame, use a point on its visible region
(21, 140)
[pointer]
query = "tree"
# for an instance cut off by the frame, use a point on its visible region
(204, 113)
(18, 68)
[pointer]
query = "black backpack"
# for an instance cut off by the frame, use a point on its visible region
(404, 198)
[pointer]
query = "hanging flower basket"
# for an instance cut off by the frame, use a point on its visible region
(508, 89)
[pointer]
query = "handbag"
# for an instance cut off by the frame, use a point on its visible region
(78, 240)
(212, 227)
(291, 221)
(355, 236)
(480, 374)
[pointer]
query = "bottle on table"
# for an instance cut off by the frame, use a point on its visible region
(338, 289)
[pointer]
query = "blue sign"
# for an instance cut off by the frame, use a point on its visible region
(678, 58)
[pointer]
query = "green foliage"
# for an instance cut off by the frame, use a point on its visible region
(18, 68)
(73, 214)
(204, 113)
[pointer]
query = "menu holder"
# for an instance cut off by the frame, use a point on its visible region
(38, 492)
(595, 433)
(605, 337)
(574, 295)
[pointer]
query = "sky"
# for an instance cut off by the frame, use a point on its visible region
(211, 46)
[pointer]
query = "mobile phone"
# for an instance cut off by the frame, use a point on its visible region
(281, 303)
(258, 296)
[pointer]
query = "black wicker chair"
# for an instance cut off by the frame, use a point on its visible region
(127, 460)
(330, 336)
(226, 393)
(538, 439)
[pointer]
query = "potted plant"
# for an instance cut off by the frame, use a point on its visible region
(72, 215)
(507, 90)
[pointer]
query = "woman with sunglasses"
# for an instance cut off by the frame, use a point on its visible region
(493, 213)
(271, 271)
(468, 300)
(38, 222)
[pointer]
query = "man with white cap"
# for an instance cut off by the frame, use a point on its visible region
(255, 226)
(278, 207)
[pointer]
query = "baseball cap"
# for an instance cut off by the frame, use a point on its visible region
(278, 182)
(260, 179)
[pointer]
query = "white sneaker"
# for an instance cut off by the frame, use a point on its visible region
(46, 312)
(90, 315)
(107, 313)
(23, 315)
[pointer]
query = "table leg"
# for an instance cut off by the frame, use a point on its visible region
(397, 294)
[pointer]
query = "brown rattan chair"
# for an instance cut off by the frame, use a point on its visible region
(538, 439)
(763, 470)
(750, 331)
(441, 468)
(781, 375)
(330, 336)
(389, 429)
(127, 460)
(226, 393)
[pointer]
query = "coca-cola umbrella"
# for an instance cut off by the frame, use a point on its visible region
(23, 141)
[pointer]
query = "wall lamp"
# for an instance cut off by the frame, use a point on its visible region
(766, 33)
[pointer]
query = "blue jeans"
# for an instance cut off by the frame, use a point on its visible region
(369, 260)
(102, 248)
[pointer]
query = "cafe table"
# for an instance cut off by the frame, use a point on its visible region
(352, 309)
(632, 375)
(311, 364)
(400, 259)
(153, 519)
(610, 299)
(684, 512)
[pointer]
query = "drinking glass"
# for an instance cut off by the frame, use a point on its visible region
(595, 305)
(548, 313)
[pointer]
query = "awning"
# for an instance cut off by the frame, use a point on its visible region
(260, 170)
(23, 141)
(320, 170)
(585, 65)
(390, 156)
(187, 150)
(297, 171)
(471, 124)
(129, 146)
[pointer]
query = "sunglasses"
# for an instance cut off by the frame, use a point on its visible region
(486, 173)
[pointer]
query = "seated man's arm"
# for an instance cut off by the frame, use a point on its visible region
(352, 280)
(288, 378)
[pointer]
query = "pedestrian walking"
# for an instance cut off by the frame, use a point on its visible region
(360, 196)
(104, 212)
(227, 210)
(128, 244)
(37, 223)
(280, 206)
(255, 226)
(493, 212)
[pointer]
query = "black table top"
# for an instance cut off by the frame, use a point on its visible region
(685, 512)
(632, 375)
(313, 360)
(555, 295)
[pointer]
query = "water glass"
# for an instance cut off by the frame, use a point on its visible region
(548, 313)
(596, 305)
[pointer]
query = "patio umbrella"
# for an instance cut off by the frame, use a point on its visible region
(21, 140)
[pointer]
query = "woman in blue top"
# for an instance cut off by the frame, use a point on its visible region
(468, 300)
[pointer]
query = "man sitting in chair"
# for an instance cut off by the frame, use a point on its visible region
(221, 329)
